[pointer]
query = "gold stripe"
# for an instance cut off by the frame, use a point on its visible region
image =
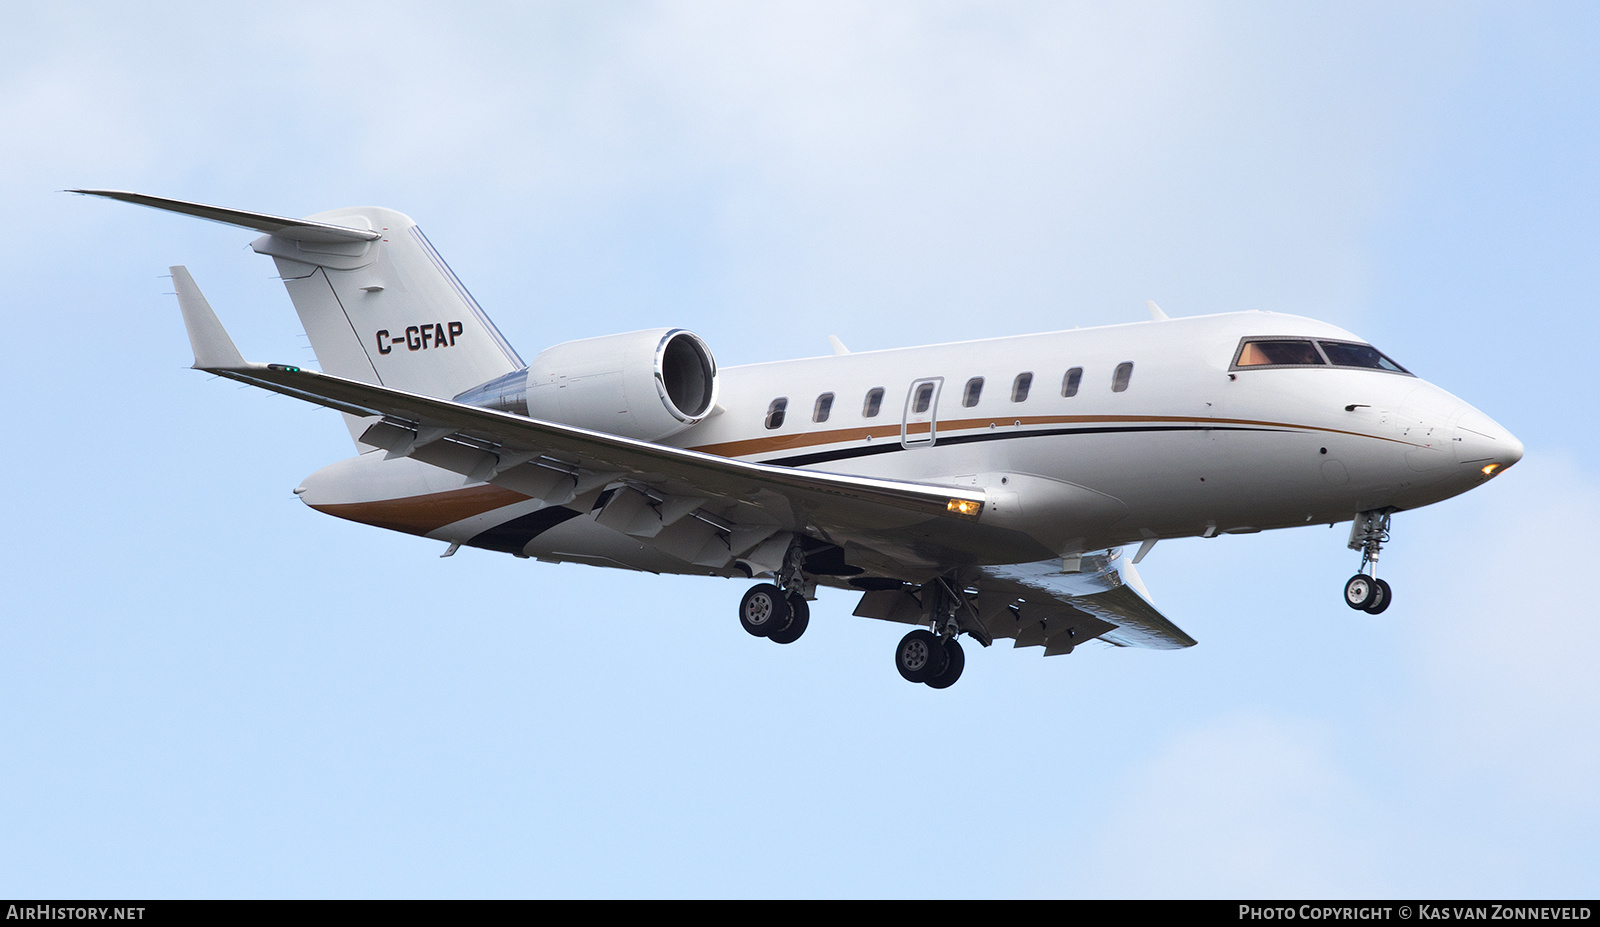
(767, 445)
(421, 514)
(425, 513)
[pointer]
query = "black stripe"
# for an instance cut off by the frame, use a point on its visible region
(513, 535)
(848, 453)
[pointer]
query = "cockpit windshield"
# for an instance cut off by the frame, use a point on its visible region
(1306, 352)
(1345, 354)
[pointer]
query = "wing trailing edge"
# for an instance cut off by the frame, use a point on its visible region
(516, 451)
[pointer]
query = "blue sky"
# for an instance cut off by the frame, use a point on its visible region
(207, 689)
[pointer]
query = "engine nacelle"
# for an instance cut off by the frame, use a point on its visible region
(644, 385)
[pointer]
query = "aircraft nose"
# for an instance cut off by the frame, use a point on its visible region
(1482, 444)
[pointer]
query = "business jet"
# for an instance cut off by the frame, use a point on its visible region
(983, 488)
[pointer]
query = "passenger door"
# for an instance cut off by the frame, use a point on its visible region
(919, 426)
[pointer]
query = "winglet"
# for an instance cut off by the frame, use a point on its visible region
(213, 349)
(838, 346)
(1156, 315)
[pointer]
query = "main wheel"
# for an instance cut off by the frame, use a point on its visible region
(763, 610)
(799, 617)
(1380, 599)
(1360, 591)
(955, 661)
(919, 656)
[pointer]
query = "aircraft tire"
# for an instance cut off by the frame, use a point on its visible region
(799, 618)
(763, 610)
(919, 656)
(1360, 591)
(954, 663)
(1381, 599)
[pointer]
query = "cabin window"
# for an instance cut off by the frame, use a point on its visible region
(1345, 354)
(775, 412)
(1278, 353)
(1020, 387)
(819, 412)
(969, 397)
(1119, 380)
(869, 409)
(1069, 383)
(923, 399)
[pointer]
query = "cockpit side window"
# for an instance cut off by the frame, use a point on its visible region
(1278, 353)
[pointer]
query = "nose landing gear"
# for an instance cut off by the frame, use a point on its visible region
(1365, 591)
(1366, 594)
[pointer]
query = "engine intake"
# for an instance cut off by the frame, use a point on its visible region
(644, 385)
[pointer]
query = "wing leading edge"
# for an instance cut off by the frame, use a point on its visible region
(548, 459)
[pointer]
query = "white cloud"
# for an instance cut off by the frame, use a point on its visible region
(1250, 804)
(1457, 759)
(1508, 691)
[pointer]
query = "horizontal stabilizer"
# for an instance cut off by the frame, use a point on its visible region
(292, 229)
(212, 346)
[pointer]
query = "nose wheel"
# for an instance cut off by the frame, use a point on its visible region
(1365, 591)
(1366, 594)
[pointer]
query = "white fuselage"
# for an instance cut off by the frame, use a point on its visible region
(1191, 446)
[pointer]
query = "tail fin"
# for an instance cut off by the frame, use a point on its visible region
(388, 311)
(376, 300)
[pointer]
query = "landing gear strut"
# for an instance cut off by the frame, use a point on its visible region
(1365, 591)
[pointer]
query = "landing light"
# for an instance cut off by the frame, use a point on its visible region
(965, 507)
(1492, 469)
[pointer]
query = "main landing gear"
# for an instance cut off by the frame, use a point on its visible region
(779, 614)
(925, 657)
(935, 659)
(1365, 591)
(767, 612)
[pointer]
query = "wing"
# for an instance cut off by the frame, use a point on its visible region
(711, 510)
(1038, 605)
(699, 507)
